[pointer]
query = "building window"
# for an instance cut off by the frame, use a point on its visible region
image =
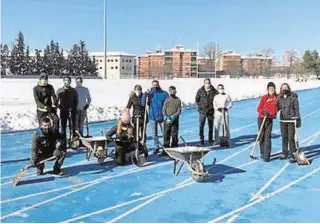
(111, 60)
(116, 67)
(130, 60)
(111, 67)
(100, 68)
(100, 60)
(127, 60)
(116, 60)
(122, 60)
(122, 67)
(108, 60)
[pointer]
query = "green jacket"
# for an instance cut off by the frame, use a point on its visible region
(172, 106)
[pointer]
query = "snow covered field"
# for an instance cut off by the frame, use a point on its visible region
(109, 97)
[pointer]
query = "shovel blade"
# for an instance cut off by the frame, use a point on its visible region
(301, 158)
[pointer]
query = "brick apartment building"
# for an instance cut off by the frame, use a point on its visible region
(255, 64)
(178, 62)
(229, 61)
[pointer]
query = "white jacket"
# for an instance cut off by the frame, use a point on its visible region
(221, 101)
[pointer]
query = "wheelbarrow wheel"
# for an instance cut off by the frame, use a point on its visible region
(198, 173)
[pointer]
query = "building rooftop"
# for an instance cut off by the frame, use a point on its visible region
(180, 48)
(230, 53)
(255, 57)
(111, 53)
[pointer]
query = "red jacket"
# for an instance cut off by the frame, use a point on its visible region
(268, 103)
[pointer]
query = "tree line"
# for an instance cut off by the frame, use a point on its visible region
(50, 60)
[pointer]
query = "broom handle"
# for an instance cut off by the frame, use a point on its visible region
(258, 136)
(145, 119)
(87, 123)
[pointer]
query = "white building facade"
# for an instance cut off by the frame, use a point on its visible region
(120, 65)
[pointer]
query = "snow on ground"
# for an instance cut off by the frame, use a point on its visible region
(109, 97)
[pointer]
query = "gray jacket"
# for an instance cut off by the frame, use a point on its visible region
(83, 97)
(172, 106)
(289, 106)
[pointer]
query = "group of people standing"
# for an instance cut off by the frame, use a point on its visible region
(72, 104)
(159, 109)
(287, 103)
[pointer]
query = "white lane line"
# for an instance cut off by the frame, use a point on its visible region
(135, 209)
(150, 196)
(240, 209)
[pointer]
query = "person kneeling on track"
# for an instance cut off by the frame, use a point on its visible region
(289, 105)
(47, 142)
(267, 110)
(125, 141)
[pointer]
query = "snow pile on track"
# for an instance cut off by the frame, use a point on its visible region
(109, 97)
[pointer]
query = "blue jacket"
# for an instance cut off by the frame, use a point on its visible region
(156, 100)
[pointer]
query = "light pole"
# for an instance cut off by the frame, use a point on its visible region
(105, 39)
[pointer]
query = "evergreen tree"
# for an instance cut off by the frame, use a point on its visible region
(46, 61)
(5, 56)
(28, 62)
(311, 62)
(38, 64)
(18, 62)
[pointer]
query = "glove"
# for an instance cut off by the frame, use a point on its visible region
(225, 109)
(220, 109)
(57, 153)
(166, 118)
(265, 113)
(172, 117)
(298, 122)
(86, 107)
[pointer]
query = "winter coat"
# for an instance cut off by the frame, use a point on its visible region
(205, 99)
(138, 104)
(268, 103)
(67, 98)
(43, 145)
(42, 96)
(289, 106)
(156, 101)
(84, 97)
(172, 106)
(123, 132)
(222, 101)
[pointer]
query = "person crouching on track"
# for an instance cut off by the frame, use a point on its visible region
(171, 111)
(47, 142)
(125, 139)
(222, 104)
(267, 109)
(289, 105)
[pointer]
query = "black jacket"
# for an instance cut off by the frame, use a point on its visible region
(204, 100)
(43, 145)
(43, 96)
(67, 98)
(138, 104)
(289, 106)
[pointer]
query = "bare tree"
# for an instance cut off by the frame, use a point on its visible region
(210, 51)
(289, 58)
(266, 65)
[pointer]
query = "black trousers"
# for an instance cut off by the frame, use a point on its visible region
(202, 121)
(122, 148)
(57, 165)
(64, 117)
(54, 117)
(287, 134)
(134, 122)
(171, 131)
(265, 138)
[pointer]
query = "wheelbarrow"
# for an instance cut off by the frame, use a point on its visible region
(191, 155)
(95, 146)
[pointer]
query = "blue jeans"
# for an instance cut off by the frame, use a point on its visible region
(154, 130)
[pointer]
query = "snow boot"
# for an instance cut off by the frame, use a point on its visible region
(57, 171)
(39, 172)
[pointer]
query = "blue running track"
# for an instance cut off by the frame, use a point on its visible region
(102, 193)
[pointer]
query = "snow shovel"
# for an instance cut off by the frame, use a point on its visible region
(224, 141)
(20, 175)
(257, 139)
(87, 124)
(74, 143)
(299, 155)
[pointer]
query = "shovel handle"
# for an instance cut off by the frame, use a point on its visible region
(258, 136)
